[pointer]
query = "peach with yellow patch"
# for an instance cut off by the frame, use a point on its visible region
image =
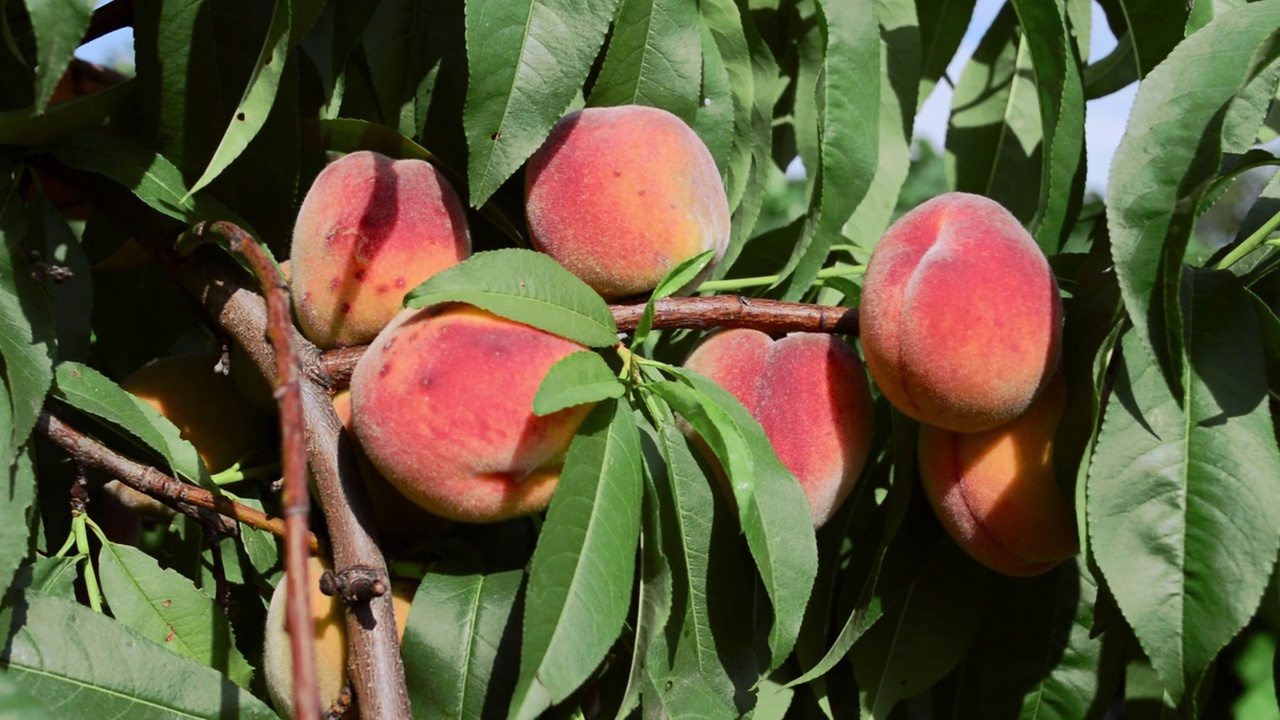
(995, 491)
(370, 230)
(620, 195)
(961, 319)
(443, 407)
(809, 393)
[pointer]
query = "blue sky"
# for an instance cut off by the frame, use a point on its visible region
(1104, 123)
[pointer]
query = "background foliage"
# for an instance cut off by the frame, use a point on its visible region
(643, 589)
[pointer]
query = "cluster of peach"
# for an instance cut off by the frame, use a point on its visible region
(960, 329)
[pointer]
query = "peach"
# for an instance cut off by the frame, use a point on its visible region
(370, 230)
(809, 393)
(204, 405)
(392, 514)
(620, 195)
(995, 490)
(329, 641)
(961, 319)
(443, 407)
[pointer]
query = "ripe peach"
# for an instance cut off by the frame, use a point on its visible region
(809, 393)
(995, 490)
(961, 319)
(391, 512)
(204, 405)
(329, 641)
(443, 407)
(370, 230)
(619, 195)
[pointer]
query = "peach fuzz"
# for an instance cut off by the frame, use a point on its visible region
(205, 406)
(443, 407)
(995, 491)
(369, 231)
(809, 393)
(329, 640)
(620, 195)
(961, 319)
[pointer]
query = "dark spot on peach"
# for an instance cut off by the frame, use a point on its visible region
(359, 275)
(382, 288)
(346, 308)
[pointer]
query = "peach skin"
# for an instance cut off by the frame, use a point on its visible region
(995, 491)
(620, 195)
(369, 231)
(443, 408)
(809, 393)
(961, 319)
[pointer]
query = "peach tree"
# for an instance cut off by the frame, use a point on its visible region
(609, 422)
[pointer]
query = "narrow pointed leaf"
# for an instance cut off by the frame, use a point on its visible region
(26, 336)
(581, 574)
(654, 58)
(578, 378)
(18, 508)
(59, 27)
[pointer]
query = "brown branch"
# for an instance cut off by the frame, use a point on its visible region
(148, 480)
(693, 313)
(296, 503)
(373, 661)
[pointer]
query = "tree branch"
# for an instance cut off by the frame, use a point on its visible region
(148, 480)
(296, 504)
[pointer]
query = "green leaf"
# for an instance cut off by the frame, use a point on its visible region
(251, 113)
(70, 301)
(576, 379)
(1151, 27)
(26, 335)
(682, 276)
(654, 58)
(724, 24)
(527, 287)
(152, 178)
(18, 508)
(771, 505)
(1167, 156)
(848, 103)
(581, 573)
(88, 665)
(20, 127)
(17, 704)
(55, 576)
(59, 27)
(397, 53)
(994, 135)
(696, 665)
(526, 60)
(1183, 519)
(463, 629)
(942, 27)
(1061, 94)
(90, 392)
(167, 609)
(713, 120)
(900, 81)
(924, 636)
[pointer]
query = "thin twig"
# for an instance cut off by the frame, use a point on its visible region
(296, 500)
(150, 481)
(693, 313)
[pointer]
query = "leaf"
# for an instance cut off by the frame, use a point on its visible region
(55, 576)
(680, 277)
(724, 24)
(463, 629)
(1151, 27)
(167, 609)
(398, 61)
(994, 135)
(151, 177)
(251, 113)
(923, 636)
(1183, 519)
(771, 506)
(576, 379)
(26, 335)
(713, 120)
(88, 665)
(59, 27)
(20, 127)
(1061, 94)
(654, 58)
(900, 80)
(526, 61)
(942, 27)
(71, 299)
(582, 569)
(1167, 155)
(848, 103)
(18, 508)
(527, 287)
(17, 704)
(90, 392)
